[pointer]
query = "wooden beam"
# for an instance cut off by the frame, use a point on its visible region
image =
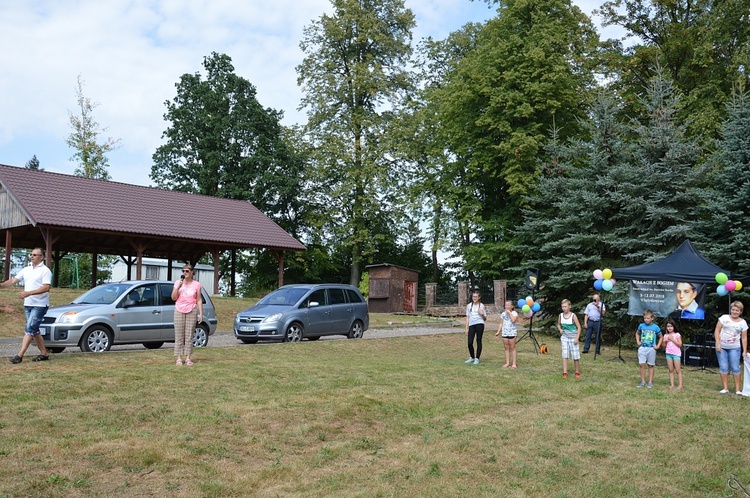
(8, 250)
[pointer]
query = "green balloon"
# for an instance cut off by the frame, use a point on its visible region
(721, 278)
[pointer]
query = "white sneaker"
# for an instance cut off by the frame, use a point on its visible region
(476, 361)
(724, 391)
(470, 360)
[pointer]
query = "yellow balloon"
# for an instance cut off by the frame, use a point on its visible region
(738, 285)
(606, 274)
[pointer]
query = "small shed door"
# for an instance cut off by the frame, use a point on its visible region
(410, 297)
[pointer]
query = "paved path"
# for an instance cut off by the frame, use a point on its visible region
(9, 346)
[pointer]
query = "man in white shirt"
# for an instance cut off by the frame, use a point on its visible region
(592, 322)
(37, 280)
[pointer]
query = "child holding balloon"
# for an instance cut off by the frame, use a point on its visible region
(508, 328)
(570, 333)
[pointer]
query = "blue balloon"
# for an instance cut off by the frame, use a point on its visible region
(536, 307)
(722, 290)
(521, 303)
(598, 284)
(607, 285)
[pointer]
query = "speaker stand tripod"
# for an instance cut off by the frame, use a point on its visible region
(530, 334)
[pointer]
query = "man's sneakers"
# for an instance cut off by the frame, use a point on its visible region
(642, 384)
(476, 361)
(470, 360)
(650, 385)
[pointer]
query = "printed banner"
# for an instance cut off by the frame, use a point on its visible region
(667, 299)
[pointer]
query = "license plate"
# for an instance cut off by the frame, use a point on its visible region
(247, 328)
(42, 331)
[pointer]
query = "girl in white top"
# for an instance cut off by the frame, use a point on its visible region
(508, 329)
(729, 330)
(476, 314)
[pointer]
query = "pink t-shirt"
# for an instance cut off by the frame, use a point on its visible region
(187, 296)
(672, 348)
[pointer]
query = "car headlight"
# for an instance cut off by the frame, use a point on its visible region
(67, 317)
(273, 318)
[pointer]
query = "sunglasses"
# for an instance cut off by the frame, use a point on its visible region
(186, 271)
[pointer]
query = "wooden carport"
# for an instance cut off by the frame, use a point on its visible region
(64, 214)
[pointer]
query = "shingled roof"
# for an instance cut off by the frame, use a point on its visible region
(88, 215)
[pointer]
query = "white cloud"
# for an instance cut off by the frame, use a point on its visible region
(131, 53)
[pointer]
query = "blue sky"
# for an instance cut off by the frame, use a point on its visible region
(131, 53)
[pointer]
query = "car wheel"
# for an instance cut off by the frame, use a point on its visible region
(152, 345)
(96, 339)
(357, 330)
(56, 349)
(294, 333)
(249, 341)
(200, 337)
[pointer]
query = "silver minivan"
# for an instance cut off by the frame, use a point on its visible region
(132, 312)
(304, 311)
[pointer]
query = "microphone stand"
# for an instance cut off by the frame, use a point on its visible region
(619, 343)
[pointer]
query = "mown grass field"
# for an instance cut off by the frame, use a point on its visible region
(389, 418)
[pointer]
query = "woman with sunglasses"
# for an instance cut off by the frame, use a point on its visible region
(186, 295)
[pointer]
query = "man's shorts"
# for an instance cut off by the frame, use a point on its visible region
(34, 316)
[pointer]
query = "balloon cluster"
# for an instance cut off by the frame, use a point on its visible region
(528, 306)
(603, 280)
(725, 285)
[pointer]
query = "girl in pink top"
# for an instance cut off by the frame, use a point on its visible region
(188, 303)
(673, 346)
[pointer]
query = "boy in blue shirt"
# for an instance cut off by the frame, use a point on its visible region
(648, 336)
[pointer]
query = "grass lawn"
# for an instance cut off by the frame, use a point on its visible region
(390, 417)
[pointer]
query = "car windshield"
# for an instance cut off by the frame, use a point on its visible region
(103, 294)
(284, 297)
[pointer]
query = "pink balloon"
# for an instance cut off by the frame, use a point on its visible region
(597, 274)
(613, 281)
(529, 314)
(730, 285)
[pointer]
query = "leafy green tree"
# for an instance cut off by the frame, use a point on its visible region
(90, 154)
(727, 202)
(702, 45)
(222, 142)
(355, 67)
(529, 69)
(427, 167)
(33, 163)
(92, 163)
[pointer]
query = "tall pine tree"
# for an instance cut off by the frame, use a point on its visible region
(727, 207)
(566, 232)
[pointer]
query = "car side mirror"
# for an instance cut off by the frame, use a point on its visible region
(313, 304)
(128, 303)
